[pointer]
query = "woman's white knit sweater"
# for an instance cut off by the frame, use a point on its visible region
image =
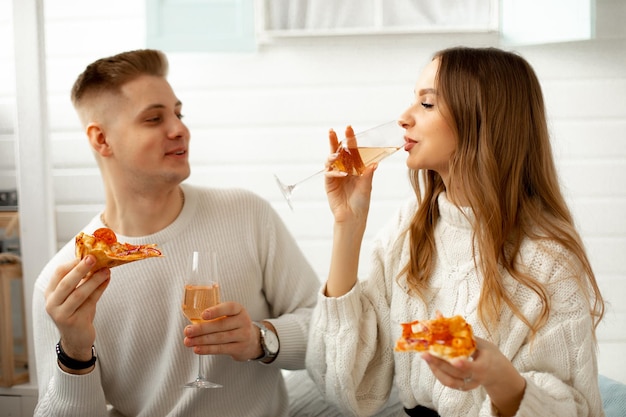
(351, 354)
(142, 363)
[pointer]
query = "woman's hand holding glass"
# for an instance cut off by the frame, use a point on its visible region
(348, 195)
(349, 200)
(374, 145)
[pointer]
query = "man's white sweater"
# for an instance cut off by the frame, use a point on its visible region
(142, 363)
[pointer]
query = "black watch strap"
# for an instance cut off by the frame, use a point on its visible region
(72, 363)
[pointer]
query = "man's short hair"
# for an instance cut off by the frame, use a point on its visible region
(110, 74)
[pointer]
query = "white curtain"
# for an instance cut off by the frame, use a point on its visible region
(363, 14)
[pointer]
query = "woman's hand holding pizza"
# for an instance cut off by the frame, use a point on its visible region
(488, 368)
(461, 361)
(71, 303)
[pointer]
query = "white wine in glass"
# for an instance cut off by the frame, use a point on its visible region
(372, 145)
(201, 292)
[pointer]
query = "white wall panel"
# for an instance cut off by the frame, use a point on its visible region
(586, 139)
(607, 256)
(597, 178)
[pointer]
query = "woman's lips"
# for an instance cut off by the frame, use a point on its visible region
(409, 144)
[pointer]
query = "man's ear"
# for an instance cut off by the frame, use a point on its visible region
(97, 139)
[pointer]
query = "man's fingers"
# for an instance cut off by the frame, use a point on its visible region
(67, 292)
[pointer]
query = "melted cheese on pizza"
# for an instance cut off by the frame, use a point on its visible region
(103, 245)
(447, 338)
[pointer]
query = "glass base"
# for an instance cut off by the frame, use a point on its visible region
(286, 190)
(202, 383)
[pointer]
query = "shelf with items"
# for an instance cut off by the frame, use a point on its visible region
(320, 18)
(13, 345)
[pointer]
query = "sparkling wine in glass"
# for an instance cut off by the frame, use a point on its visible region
(372, 145)
(201, 292)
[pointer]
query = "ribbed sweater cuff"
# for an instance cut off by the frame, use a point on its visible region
(338, 313)
(72, 390)
(292, 343)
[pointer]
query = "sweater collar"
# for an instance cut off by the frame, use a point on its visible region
(462, 217)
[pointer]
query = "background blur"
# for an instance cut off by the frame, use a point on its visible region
(267, 111)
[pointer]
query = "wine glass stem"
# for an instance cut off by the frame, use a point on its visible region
(200, 372)
(308, 178)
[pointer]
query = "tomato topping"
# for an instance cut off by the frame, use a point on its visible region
(106, 235)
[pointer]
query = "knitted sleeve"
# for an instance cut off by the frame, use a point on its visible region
(349, 356)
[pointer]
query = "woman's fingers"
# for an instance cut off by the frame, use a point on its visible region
(457, 374)
(334, 142)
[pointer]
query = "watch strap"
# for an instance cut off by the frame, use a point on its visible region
(72, 363)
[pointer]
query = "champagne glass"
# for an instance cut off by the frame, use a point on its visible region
(372, 145)
(201, 292)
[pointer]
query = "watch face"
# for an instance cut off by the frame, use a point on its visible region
(271, 342)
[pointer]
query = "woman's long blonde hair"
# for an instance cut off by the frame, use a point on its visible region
(504, 165)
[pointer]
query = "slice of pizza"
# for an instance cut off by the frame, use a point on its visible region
(109, 252)
(445, 337)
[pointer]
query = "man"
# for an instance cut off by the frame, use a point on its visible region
(117, 343)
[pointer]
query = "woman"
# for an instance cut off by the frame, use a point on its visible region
(488, 236)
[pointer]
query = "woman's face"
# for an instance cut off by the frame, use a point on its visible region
(429, 140)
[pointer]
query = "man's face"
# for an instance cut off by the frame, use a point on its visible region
(148, 141)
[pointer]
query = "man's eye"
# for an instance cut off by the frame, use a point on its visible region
(153, 119)
(428, 105)
(180, 116)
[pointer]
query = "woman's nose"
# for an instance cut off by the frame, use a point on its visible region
(406, 119)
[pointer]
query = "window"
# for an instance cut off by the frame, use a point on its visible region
(201, 25)
(229, 25)
(326, 17)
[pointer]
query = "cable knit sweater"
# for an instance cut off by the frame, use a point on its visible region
(351, 354)
(142, 363)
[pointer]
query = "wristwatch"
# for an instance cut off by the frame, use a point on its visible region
(72, 363)
(269, 343)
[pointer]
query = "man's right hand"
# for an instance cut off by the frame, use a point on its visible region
(71, 300)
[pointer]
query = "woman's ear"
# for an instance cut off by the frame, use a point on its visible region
(97, 139)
